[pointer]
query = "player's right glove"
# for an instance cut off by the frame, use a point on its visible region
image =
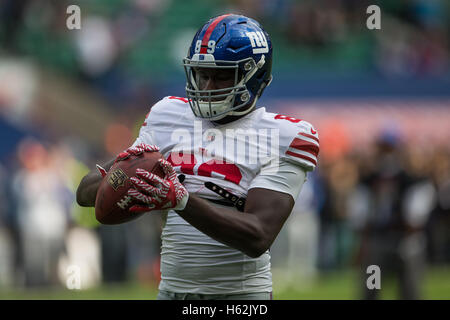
(135, 151)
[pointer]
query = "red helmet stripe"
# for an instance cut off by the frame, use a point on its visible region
(208, 32)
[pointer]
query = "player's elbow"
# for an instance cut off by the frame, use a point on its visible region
(255, 252)
(258, 240)
(257, 247)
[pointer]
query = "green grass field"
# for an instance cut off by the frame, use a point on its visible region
(335, 286)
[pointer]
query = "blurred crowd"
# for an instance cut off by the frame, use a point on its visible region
(388, 207)
(414, 40)
(45, 234)
(124, 49)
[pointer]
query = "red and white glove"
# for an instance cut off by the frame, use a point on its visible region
(135, 151)
(158, 193)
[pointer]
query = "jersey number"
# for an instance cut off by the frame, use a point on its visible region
(189, 165)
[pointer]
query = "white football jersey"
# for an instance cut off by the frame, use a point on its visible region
(234, 156)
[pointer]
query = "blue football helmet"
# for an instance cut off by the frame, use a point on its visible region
(234, 42)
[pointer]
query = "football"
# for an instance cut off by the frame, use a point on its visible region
(112, 201)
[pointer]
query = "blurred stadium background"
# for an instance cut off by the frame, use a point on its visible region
(379, 98)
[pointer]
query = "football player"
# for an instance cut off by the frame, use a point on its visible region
(232, 171)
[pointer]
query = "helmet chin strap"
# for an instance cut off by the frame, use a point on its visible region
(241, 113)
(235, 113)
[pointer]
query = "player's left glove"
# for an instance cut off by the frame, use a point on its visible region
(124, 155)
(158, 193)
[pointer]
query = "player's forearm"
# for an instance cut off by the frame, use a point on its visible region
(239, 230)
(87, 189)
